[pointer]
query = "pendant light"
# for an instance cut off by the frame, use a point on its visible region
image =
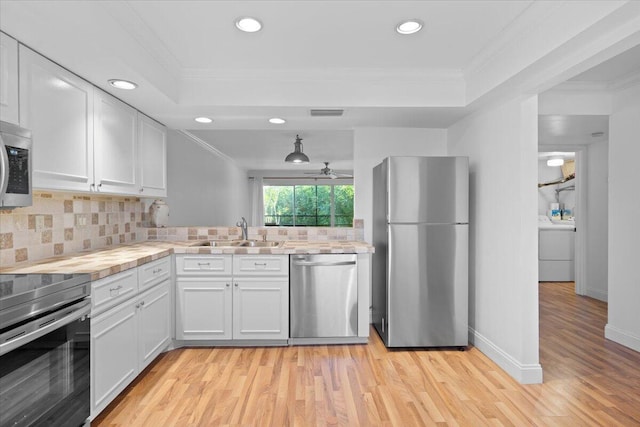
(297, 156)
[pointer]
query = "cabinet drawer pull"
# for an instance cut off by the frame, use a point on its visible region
(117, 288)
(262, 264)
(204, 263)
(157, 271)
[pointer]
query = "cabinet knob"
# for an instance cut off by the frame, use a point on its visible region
(141, 190)
(228, 285)
(235, 284)
(141, 303)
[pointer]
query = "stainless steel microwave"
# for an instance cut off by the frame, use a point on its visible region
(15, 166)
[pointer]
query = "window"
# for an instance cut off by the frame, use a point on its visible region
(308, 205)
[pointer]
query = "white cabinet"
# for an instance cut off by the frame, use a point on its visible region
(204, 308)
(261, 297)
(57, 106)
(115, 145)
(556, 255)
(9, 109)
(260, 309)
(85, 139)
(129, 329)
(114, 353)
(153, 323)
(223, 297)
(152, 152)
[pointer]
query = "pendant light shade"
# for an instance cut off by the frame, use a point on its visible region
(297, 156)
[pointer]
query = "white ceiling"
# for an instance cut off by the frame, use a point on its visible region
(266, 149)
(190, 60)
(554, 130)
(617, 68)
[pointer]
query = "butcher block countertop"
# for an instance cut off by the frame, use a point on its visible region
(104, 262)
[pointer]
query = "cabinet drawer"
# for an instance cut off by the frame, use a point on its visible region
(107, 292)
(261, 265)
(154, 272)
(203, 264)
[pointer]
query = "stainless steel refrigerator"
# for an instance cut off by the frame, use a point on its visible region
(421, 239)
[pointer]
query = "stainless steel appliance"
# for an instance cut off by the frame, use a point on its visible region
(44, 349)
(324, 296)
(15, 166)
(420, 265)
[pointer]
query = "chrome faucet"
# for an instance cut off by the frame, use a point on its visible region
(243, 225)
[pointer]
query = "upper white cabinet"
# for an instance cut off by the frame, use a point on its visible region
(57, 106)
(115, 145)
(9, 109)
(85, 139)
(152, 152)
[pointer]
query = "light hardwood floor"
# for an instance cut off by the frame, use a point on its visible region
(588, 381)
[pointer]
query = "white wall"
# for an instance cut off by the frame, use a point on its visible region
(204, 189)
(372, 145)
(624, 211)
(502, 146)
(596, 236)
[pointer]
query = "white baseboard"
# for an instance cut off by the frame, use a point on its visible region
(523, 373)
(597, 294)
(620, 336)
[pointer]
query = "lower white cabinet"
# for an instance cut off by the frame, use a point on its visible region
(216, 304)
(154, 323)
(203, 309)
(114, 354)
(556, 255)
(261, 309)
(127, 336)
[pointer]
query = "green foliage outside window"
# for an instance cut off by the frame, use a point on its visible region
(308, 205)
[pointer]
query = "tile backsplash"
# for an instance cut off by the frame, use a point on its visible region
(272, 233)
(63, 223)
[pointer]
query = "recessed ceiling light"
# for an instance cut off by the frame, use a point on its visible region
(556, 161)
(203, 120)
(410, 26)
(277, 121)
(248, 24)
(123, 84)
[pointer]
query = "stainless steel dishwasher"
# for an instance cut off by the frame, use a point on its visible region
(324, 296)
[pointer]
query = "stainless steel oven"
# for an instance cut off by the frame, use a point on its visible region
(44, 349)
(15, 166)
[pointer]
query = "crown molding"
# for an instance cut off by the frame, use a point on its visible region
(133, 24)
(207, 147)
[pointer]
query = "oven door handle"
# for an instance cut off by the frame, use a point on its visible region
(40, 327)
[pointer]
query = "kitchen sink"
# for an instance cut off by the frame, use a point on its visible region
(238, 243)
(257, 244)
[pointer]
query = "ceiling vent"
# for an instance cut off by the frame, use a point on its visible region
(326, 113)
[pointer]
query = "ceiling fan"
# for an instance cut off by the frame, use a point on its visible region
(327, 172)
